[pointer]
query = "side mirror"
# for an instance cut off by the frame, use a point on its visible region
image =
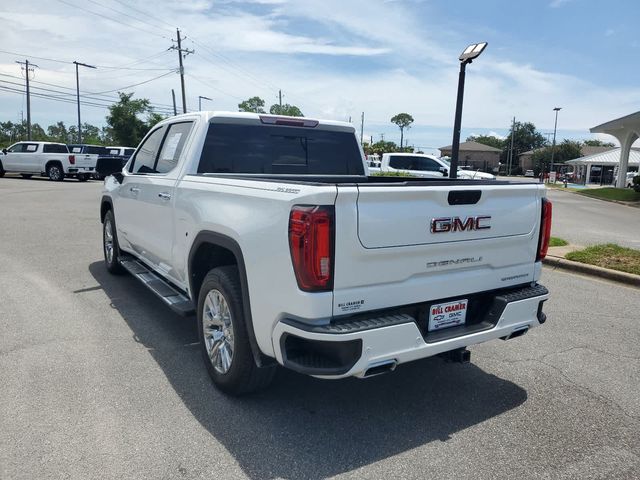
(119, 176)
(444, 171)
(4, 150)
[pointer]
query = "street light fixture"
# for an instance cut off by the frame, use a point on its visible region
(78, 96)
(200, 98)
(553, 146)
(467, 56)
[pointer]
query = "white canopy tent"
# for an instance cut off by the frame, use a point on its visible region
(626, 130)
(595, 164)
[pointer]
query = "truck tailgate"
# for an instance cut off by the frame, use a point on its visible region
(388, 253)
(86, 160)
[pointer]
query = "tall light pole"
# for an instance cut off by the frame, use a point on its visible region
(553, 146)
(467, 56)
(78, 96)
(200, 98)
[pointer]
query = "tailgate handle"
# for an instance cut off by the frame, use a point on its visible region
(464, 197)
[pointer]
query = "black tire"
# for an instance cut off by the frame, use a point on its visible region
(83, 178)
(55, 172)
(243, 376)
(111, 262)
(1, 170)
(26, 175)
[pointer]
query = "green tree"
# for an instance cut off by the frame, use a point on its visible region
(253, 104)
(526, 138)
(286, 109)
(402, 120)
(564, 151)
(597, 143)
(489, 140)
(58, 132)
(90, 134)
(130, 119)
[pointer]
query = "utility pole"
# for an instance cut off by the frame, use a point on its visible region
(510, 160)
(362, 128)
(173, 96)
(28, 67)
(78, 96)
(553, 146)
(186, 52)
(280, 99)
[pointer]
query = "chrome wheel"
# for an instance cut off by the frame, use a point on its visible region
(54, 173)
(217, 330)
(108, 240)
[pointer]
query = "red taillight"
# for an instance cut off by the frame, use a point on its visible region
(545, 229)
(72, 159)
(311, 245)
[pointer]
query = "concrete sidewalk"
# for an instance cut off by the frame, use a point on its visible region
(556, 258)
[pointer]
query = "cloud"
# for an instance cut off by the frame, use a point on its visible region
(334, 59)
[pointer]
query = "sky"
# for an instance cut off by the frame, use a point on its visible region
(334, 59)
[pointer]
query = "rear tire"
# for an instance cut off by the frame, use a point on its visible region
(224, 340)
(55, 172)
(83, 178)
(110, 246)
(26, 175)
(1, 170)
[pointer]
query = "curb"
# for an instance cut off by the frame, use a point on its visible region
(616, 276)
(619, 202)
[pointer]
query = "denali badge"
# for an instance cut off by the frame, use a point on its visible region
(456, 224)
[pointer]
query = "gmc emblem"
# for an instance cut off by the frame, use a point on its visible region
(456, 224)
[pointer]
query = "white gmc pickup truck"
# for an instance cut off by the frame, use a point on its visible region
(47, 159)
(269, 230)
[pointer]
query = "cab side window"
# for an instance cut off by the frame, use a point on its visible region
(17, 148)
(145, 159)
(172, 146)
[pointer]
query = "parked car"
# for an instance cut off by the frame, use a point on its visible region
(528, 173)
(630, 177)
(112, 160)
(426, 166)
(44, 158)
(270, 231)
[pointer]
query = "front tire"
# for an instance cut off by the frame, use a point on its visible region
(55, 172)
(110, 246)
(224, 340)
(83, 178)
(26, 175)
(1, 170)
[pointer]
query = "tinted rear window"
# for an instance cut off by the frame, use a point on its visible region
(279, 150)
(55, 149)
(92, 150)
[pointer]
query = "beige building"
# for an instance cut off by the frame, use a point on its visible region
(476, 155)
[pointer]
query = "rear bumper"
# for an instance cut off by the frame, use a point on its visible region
(341, 349)
(79, 170)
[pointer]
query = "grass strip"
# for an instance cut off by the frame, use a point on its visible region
(557, 242)
(610, 256)
(620, 194)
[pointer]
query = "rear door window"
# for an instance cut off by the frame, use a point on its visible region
(274, 149)
(55, 148)
(145, 159)
(172, 146)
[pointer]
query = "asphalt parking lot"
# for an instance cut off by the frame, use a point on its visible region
(100, 380)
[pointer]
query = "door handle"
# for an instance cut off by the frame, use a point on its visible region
(134, 190)
(164, 196)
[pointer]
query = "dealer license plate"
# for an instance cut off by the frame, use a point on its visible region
(445, 315)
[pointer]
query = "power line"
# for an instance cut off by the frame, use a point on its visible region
(108, 67)
(119, 12)
(114, 20)
(132, 85)
(144, 13)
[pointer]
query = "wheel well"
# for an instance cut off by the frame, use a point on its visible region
(104, 208)
(206, 257)
(51, 162)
